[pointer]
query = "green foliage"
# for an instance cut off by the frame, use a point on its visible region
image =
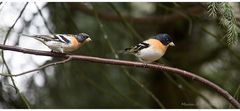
(225, 15)
(212, 9)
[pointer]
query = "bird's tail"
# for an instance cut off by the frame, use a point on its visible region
(121, 51)
(41, 38)
(125, 51)
(32, 36)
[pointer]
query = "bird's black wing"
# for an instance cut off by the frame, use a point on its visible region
(44, 38)
(137, 48)
(61, 38)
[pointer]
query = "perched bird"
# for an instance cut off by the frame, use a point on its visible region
(62, 42)
(151, 49)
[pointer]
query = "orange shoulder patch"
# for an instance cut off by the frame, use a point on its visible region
(156, 44)
(74, 43)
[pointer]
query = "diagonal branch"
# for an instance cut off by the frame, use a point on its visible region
(44, 20)
(117, 57)
(39, 68)
(4, 61)
(181, 72)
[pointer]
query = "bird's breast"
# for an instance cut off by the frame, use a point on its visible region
(149, 54)
(157, 45)
(74, 43)
(154, 52)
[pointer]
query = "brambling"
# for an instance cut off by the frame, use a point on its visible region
(62, 42)
(151, 49)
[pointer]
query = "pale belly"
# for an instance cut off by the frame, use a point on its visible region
(60, 47)
(149, 55)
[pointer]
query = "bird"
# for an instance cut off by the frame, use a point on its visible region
(63, 43)
(151, 49)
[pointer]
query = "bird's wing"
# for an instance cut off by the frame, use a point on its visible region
(137, 48)
(45, 38)
(42, 38)
(62, 38)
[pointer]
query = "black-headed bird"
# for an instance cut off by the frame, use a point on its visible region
(63, 43)
(151, 49)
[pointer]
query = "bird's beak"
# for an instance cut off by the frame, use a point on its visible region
(88, 40)
(171, 44)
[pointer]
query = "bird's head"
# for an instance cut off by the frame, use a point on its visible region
(83, 37)
(165, 39)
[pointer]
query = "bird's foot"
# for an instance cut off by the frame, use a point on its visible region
(145, 65)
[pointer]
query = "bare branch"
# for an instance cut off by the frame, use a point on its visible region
(4, 62)
(125, 70)
(44, 20)
(39, 68)
(181, 72)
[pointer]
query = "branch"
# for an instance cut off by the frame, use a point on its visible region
(41, 67)
(163, 19)
(184, 73)
(44, 20)
(22, 97)
(126, 72)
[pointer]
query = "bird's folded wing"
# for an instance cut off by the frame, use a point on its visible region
(61, 38)
(137, 48)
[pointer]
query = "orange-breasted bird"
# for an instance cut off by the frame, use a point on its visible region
(62, 42)
(151, 49)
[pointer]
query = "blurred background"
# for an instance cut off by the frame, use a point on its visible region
(205, 35)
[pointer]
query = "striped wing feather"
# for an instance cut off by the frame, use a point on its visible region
(137, 48)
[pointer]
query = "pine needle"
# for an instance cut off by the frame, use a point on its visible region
(225, 15)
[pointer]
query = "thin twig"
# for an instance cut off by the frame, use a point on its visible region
(124, 69)
(39, 68)
(145, 89)
(181, 72)
(69, 14)
(105, 36)
(236, 95)
(103, 90)
(27, 25)
(125, 22)
(185, 15)
(194, 90)
(226, 46)
(44, 20)
(4, 62)
(1, 8)
(10, 29)
(196, 10)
